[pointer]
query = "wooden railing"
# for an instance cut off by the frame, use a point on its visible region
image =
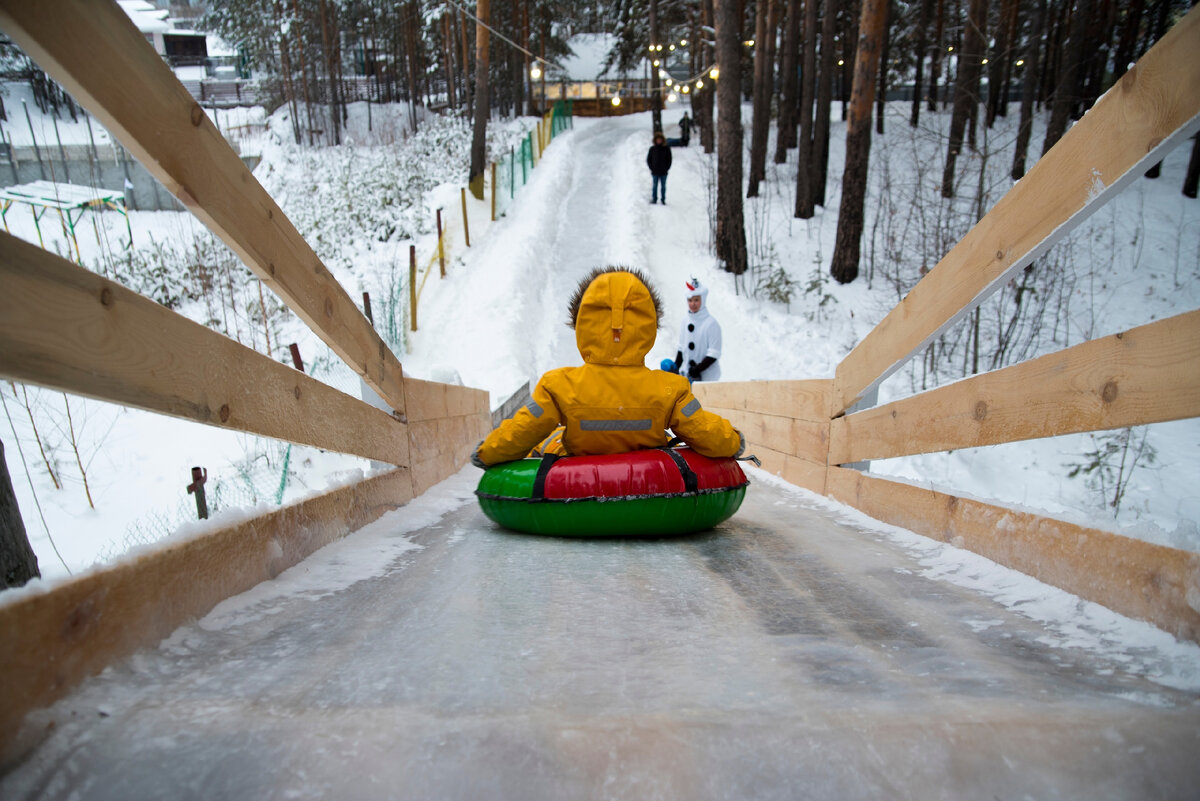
(64, 327)
(803, 431)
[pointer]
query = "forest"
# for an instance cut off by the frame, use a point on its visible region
(798, 62)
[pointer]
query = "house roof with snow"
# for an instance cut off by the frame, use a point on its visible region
(145, 16)
(586, 62)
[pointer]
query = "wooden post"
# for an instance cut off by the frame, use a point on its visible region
(412, 278)
(493, 191)
(466, 227)
(441, 245)
(367, 308)
(199, 477)
(296, 360)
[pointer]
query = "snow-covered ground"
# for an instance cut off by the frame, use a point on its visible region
(498, 319)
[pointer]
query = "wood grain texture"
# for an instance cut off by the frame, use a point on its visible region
(802, 400)
(50, 642)
(96, 53)
(1152, 108)
(64, 327)
(1139, 579)
(1149, 374)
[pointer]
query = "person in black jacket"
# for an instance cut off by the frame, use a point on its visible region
(685, 129)
(659, 162)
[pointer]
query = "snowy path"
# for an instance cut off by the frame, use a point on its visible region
(784, 655)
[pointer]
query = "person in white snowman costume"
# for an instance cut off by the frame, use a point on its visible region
(699, 338)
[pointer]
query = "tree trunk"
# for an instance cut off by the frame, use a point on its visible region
(731, 231)
(920, 51)
(935, 64)
(1066, 91)
(704, 113)
(966, 89)
(820, 162)
(18, 562)
(872, 25)
(884, 54)
(655, 87)
(805, 194)
(479, 140)
(1127, 42)
(448, 67)
(1033, 48)
(849, 42)
(764, 59)
(790, 88)
(999, 60)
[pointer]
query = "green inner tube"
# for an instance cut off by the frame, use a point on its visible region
(506, 496)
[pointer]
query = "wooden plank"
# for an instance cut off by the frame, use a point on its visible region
(792, 469)
(1135, 578)
(1149, 374)
(429, 399)
(803, 400)
(64, 327)
(805, 439)
(51, 641)
(1153, 108)
(95, 52)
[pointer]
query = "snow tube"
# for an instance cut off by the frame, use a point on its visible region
(643, 493)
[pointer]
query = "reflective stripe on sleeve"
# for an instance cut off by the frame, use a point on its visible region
(691, 408)
(615, 425)
(534, 408)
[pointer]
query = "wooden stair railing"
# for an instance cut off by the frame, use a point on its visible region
(64, 327)
(803, 432)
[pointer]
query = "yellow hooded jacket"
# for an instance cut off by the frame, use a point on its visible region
(613, 403)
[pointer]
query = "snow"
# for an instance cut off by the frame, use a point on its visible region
(586, 61)
(497, 320)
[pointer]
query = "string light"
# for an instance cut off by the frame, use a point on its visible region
(714, 73)
(683, 42)
(984, 61)
(671, 98)
(685, 89)
(535, 72)
(616, 101)
(699, 83)
(671, 48)
(1021, 62)
(656, 62)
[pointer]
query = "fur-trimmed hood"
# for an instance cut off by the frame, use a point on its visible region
(615, 313)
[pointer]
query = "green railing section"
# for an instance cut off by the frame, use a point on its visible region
(513, 170)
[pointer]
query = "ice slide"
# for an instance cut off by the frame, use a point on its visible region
(787, 654)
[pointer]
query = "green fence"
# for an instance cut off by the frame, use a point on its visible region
(513, 170)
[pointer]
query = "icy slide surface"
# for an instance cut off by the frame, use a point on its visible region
(784, 655)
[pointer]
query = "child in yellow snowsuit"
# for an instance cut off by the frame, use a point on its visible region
(613, 403)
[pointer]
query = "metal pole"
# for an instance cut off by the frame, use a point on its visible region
(62, 151)
(33, 137)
